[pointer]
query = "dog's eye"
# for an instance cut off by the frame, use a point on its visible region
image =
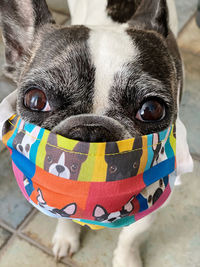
(150, 198)
(135, 165)
(35, 99)
(152, 110)
(27, 147)
(113, 169)
(49, 159)
(161, 183)
(73, 168)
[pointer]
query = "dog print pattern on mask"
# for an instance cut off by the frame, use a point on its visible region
(159, 148)
(131, 168)
(62, 163)
(101, 215)
(123, 165)
(23, 142)
(152, 193)
(67, 211)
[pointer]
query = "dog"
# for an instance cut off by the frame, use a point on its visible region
(116, 73)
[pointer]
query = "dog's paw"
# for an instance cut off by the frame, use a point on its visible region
(66, 240)
(64, 246)
(129, 258)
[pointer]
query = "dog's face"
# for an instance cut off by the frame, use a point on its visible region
(61, 163)
(159, 148)
(153, 192)
(101, 215)
(121, 166)
(93, 84)
(23, 142)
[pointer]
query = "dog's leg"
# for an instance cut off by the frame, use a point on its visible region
(127, 251)
(66, 240)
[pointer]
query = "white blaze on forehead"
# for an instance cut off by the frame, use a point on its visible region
(110, 49)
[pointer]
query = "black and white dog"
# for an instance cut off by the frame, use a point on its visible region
(115, 75)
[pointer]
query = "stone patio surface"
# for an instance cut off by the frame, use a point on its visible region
(174, 241)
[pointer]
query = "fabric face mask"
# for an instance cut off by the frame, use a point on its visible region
(96, 184)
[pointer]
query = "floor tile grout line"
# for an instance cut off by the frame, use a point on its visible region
(7, 244)
(23, 236)
(195, 157)
(186, 24)
(7, 227)
(18, 233)
(27, 219)
(33, 242)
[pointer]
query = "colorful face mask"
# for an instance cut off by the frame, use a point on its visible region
(98, 184)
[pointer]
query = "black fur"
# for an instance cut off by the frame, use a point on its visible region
(58, 61)
(122, 10)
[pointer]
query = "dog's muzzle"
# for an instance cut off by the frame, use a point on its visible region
(91, 128)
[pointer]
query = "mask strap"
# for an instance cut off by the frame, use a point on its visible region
(7, 109)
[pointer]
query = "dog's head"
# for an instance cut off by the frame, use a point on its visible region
(93, 83)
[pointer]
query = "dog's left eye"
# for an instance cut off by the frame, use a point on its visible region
(35, 99)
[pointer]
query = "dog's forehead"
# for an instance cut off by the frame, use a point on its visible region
(111, 49)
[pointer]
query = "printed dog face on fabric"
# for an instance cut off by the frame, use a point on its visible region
(108, 184)
(23, 143)
(101, 215)
(121, 166)
(67, 211)
(60, 163)
(150, 195)
(159, 148)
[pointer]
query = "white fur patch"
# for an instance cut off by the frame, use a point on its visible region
(110, 48)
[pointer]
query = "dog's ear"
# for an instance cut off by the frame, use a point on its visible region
(20, 21)
(152, 15)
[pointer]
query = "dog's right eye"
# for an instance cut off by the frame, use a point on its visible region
(35, 99)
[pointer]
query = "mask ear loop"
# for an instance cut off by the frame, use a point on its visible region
(183, 158)
(7, 109)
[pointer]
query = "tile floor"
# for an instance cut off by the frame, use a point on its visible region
(25, 234)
